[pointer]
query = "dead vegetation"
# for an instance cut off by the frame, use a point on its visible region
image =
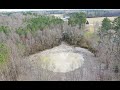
(21, 46)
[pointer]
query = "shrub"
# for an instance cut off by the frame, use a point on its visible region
(3, 53)
(106, 24)
(4, 29)
(21, 31)
(116, 24)
(77, 19)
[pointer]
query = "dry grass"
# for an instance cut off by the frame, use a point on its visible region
(98, 19)
(60, 59)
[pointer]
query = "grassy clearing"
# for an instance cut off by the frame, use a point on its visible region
(98, 19)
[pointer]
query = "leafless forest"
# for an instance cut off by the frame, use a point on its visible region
(23, 36)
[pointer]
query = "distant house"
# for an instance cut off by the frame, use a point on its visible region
(87, 22)
(57, 15)
(65, 18)
(62, 16)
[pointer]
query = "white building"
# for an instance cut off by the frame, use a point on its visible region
(64, 18)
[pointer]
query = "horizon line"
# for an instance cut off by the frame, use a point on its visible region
(19, 10)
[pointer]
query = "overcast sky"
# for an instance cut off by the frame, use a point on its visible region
(14, 10)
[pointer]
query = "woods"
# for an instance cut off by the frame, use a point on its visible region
(28, 34)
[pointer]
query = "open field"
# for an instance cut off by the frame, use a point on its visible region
(91, 20)
(98, 19)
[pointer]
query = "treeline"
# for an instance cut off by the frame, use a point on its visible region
(102, 13)
(89, 13)
(98, 13)
(39, 23)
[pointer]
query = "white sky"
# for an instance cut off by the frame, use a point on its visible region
(14, 10)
